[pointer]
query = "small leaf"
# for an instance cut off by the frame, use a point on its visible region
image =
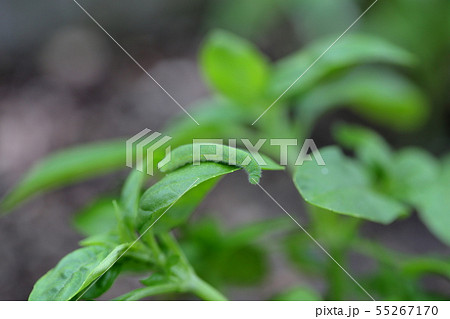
(67, 167)
(97, 218)
(353, 49)
(75, 272)
(382, 96)
(344, 187)
(131, 193)
(234, 67)
(171, 188)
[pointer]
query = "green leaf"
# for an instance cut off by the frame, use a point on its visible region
(353, 49)
(172, 187)
(308, 16)
(242, 16)
(370, 148)
(433, 203)
(102, 285)
(298, 294)
(410, 175)
(410, 172)
(235, 256)
(180, 212)
(131, 193)
(75, 272)
(380, 95)
(219, 118)
(234, 67)
(423, 265)
(66, 167)
(241, 265)
(249, 233)
(99, 217)
(344, 187)
(109, 240)
(157, 289)
(217, 153)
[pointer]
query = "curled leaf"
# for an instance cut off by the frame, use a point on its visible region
(214, 153)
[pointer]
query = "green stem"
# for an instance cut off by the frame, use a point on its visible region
(196, 285)
(141, 293)
(172, 244)
(205, 291)
(150, 241)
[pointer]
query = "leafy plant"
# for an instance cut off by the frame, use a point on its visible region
(133, 233)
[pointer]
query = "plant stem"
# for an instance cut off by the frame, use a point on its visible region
(150, 240)
(140, 293)
(196, 285)
(205, 291)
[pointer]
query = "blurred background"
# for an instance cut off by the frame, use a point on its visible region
(63, 82)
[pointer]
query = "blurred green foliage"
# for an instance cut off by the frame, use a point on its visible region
(391, 71)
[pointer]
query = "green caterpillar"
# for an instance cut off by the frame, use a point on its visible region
(208, 153)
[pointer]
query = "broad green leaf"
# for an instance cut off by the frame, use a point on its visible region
(433, 203)
(344, 187)
(433, 206)
(234, 67)
(158, 198)
(380, 95)
(410, 172)
(350, 50)
(410, 175)
(75, 272)
(298, 294)
(369, 147)
(66, 167)
(99, 217)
